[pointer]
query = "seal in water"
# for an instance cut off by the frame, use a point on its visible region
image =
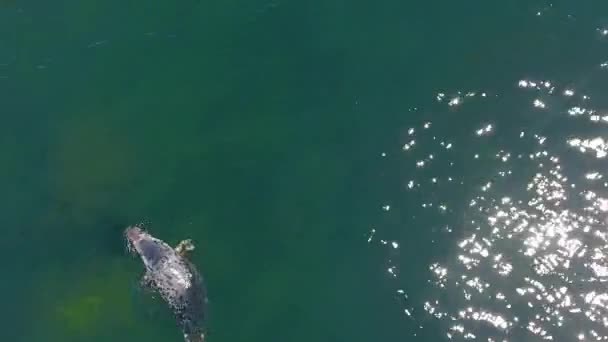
(169, 273)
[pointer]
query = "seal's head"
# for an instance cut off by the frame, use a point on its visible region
(149, 248)
(132, 235)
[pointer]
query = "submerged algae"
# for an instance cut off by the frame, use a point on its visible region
(86, 307)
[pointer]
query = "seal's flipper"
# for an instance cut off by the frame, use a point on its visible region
(184, 246)
(145, 300)
(146, 282)
(194, 338)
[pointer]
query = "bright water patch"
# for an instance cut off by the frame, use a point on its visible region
(520, 202)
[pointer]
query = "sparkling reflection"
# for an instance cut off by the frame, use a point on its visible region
(556, 255)
(529, 262)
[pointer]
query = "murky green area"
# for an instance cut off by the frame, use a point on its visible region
(255, 128)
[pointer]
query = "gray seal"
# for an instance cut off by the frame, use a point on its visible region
(174, 278)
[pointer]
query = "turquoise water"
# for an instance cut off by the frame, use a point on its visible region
(348, 171)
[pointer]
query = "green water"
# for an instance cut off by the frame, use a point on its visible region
(255, 128)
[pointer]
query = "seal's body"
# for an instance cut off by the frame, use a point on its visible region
(174, 277)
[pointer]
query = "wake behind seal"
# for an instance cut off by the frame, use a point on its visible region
(169, 273)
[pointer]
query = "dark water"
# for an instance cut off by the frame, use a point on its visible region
(349, 171)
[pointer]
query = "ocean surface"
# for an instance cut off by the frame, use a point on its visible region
(348, 170)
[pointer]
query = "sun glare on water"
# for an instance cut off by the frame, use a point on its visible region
(529, 261)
